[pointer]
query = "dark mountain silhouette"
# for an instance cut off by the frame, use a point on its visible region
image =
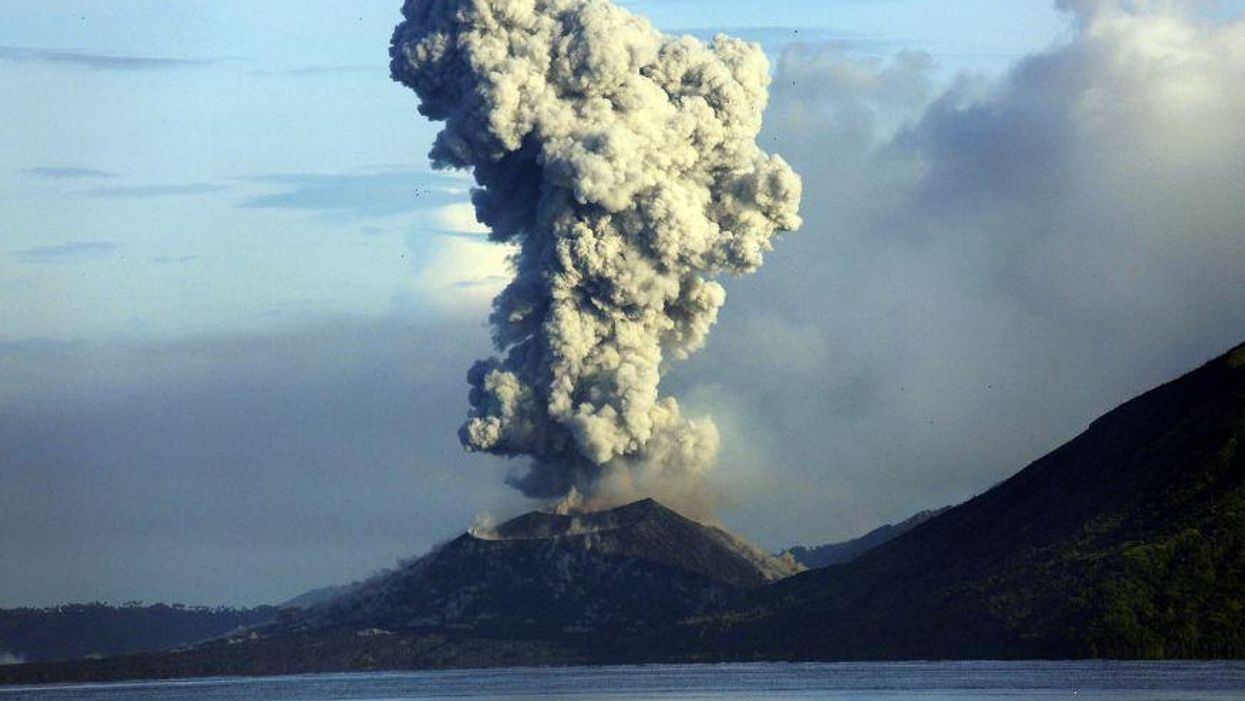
(816, 556)
(1128, 541)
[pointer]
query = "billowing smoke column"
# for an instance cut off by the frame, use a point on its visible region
(623, 164)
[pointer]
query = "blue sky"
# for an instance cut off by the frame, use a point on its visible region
(194, 167)
(237, 306)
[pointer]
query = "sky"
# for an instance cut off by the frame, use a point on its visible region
(237, 306)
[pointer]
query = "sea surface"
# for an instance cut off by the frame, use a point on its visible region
(940, 681)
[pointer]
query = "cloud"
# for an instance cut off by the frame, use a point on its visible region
(459, 217)
(357, 195)
(984, 267)
(67, 173)
(237, 468)
(774, 39)
(174, 260)
(378, 69)
(462, 274)
(456, 267)
(139, 191)
(71, 251)
(99, 61)
(622, 164)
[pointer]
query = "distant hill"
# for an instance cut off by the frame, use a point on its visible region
(75, 631)
(1126, 542)
(848, 550)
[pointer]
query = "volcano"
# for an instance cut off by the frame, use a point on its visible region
(626, 569)
(543, 588)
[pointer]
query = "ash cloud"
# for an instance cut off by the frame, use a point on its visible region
(207, 469)
(1008, 258)
(623, 164)
(981, 315)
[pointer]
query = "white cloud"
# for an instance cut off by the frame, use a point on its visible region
(991, 264)
(463, 274)
(461, 218)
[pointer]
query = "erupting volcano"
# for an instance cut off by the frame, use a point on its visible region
(622, 164)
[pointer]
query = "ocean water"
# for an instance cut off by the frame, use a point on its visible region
(874, 681)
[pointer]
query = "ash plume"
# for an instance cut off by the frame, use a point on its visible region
(622, 163)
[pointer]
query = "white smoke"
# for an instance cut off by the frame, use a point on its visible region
(484, 526)
(623, 164)
(1010, 259)
(8, 658)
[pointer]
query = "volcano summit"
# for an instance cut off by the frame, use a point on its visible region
(543, 574)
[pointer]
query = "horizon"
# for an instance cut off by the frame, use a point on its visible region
(240, 305)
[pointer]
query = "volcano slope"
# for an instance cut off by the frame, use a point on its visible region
(1126, 542)
(540, 589)
(620, 571)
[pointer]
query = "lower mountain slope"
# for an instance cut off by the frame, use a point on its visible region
(1128, 542)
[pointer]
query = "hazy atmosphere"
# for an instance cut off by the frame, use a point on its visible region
(238, 306)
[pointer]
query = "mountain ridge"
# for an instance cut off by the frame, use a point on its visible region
(815, 556)
(1127, 541)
